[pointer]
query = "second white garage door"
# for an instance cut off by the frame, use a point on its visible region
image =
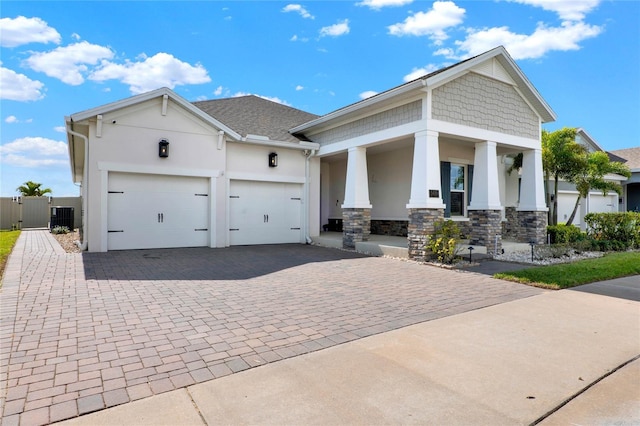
(157, 211)
(264, 212)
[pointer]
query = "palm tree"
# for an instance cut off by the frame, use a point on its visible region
(591, 175)
(32, 189)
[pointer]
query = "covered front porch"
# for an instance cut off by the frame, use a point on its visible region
(393, 246)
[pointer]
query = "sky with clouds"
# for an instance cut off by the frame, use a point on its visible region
(59, 58)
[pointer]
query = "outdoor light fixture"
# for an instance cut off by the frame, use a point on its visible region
(273, 160)
(163, 148)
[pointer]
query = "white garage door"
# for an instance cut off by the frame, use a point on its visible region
(157, 211)
(264, 213)
(599, 203)
(566, 203)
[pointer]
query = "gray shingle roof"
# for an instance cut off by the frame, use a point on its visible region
(631, 155)
(253, 115)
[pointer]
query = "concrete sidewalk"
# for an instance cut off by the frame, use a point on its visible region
(544, 358)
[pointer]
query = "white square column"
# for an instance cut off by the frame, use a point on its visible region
(486, 191)
(356, 191)
(532, 184)
(425, 176)
(356, 209)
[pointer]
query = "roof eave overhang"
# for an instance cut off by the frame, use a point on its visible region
(400, 90)
(588, 138)
(302, 145)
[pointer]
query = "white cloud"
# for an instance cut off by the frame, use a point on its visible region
(296, 38)
(69, 64)
(19, 87)
(60, 129)
(522, 46)
(367, 94)
(269, 98)
(570, 10)
(443, 15)
(218, 91)
(160, 70)
(22, 30)
(299, 87)
(335, 30)
(419, 72)
(34, 152)
(12, 119)
(298, 9)
(379, 4)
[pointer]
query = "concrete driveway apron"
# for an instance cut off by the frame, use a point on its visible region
(84, 332)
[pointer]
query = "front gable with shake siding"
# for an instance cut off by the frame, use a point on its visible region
(437, 147)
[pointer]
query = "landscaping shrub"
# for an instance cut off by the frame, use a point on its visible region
(60, 230)
(443, 244)
(614, 231)
(564, 234)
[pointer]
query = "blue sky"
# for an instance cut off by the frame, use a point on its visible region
(59, 58)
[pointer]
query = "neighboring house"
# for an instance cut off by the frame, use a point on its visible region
(596, 201)
(630, 199)
(435, 147)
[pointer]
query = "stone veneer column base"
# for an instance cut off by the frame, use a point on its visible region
(356, 226)
(485, 225)
(421, 226)
(532, 226)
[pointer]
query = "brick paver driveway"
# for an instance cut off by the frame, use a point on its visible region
(82, 332)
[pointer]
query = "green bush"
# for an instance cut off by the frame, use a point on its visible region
(60, 230)
(564, 234)
(443, 244)
(614, 231)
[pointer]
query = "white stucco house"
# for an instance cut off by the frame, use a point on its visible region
(247, 170)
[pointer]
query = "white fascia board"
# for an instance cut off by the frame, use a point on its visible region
(615, 177)
(302, 145)
(420, 83)
(587, 137)
(133, 100)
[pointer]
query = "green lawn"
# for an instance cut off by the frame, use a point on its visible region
(7, 241)
(565, 275)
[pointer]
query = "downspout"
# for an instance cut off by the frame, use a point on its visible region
(307, 190)
(85, 194)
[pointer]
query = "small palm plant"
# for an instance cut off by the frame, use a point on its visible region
(32, 189)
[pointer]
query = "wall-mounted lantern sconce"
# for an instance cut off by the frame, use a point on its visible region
(273, 160)
(163, 148)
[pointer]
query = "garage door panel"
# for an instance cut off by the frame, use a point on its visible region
(264, 213)
(156, 211)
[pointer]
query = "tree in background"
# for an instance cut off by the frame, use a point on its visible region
(562, 159)
(594, 167)
(32, 189)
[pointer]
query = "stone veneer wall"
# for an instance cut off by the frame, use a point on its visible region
(356, 226)
(395, 228)
(532, 226)
(421, 226)
(485, 225)
(510, 224)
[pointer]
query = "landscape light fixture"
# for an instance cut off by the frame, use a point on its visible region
(163, 148)
(273, 159)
